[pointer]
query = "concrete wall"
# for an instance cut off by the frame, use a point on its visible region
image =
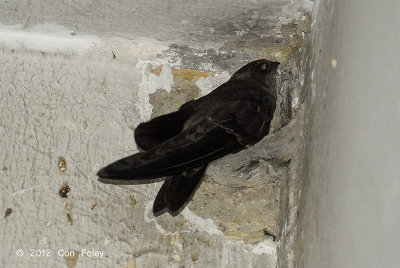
(351, 203)
(76, 77)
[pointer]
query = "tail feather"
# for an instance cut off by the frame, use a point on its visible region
(177, 190)
(159, 205)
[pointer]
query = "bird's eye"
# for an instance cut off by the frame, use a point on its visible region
(263, 66)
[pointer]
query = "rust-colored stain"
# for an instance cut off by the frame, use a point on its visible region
(133, 201)
(131, 263)
(94, 205)
(184, 74)
(64, 191)
(283, 52)
(195, 256)
(206, 242)
(187, 74)
(8, 212)
(179, 224)
(62, 164)
(72, 258)
(69, 217)
(4, 168)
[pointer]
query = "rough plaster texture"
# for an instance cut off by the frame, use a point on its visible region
(350, 215)
(77, 77)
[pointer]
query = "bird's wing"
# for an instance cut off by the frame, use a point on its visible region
(160, 129)
(227, 129)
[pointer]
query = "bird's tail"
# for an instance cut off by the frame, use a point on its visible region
(177, 191)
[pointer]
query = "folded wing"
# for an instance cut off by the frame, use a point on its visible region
(160, 129)
(226, 129)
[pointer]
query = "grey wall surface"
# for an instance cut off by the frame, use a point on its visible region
(76, 78)
(351, 216)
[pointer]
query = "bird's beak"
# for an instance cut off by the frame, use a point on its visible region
(276, 64)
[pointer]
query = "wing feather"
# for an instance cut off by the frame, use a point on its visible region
(227, 129)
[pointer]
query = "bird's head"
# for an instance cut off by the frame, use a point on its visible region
(259, 71)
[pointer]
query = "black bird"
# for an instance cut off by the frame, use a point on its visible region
(180, 145)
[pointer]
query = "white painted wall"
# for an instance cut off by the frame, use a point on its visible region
(62, 94)
(352, 212)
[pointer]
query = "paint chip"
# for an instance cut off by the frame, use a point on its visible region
(69, 217)
(334, 62)
(62, 164)
(8, 212)
(131, 264)
(72, 258)
(64, 191)
(43, 241)
(195, 256)
(133, 201)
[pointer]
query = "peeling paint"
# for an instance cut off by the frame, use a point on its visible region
(149, 218)
(208, 84)
(295, 11)
(148, 84)
(264, 248)
(198, 223)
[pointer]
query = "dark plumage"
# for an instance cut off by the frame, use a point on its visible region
(180, 145)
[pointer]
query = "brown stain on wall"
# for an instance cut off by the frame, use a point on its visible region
(8, 212)
(131, 263)
(184, 74)
(183, 90)
(71, 261)
(62, 164)
(64, 191)
(132, 201)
